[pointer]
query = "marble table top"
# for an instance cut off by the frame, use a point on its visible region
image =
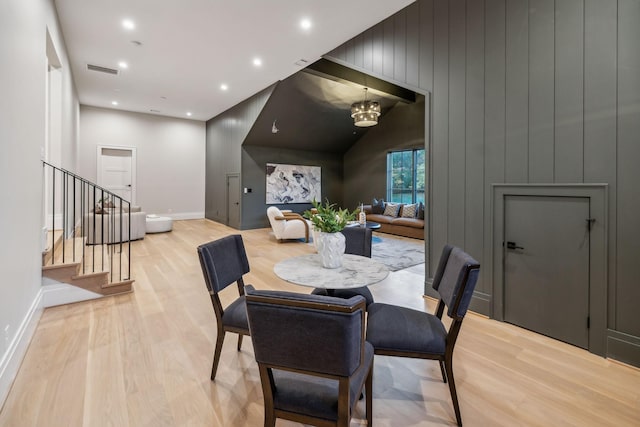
(356, 271)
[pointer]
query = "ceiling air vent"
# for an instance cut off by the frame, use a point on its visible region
(100, 69)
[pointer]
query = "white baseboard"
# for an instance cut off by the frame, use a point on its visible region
(57, 293)
(12, 358)
(185, 215)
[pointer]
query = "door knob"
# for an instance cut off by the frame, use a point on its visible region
(512, 245)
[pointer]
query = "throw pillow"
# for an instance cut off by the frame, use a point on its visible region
(100, 211)
(391, 209)
(409, 211)
(420, 211)
(377, 206)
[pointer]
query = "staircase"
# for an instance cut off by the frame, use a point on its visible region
(74, 270)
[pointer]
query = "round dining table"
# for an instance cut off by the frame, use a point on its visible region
(307, 270)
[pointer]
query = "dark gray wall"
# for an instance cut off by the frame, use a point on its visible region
(524, 91)
(365, 164)
(225, 135)
(254, 160)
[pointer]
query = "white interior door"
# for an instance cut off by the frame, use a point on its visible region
(116, 171)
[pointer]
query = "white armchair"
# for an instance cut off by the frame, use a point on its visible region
(288, 225)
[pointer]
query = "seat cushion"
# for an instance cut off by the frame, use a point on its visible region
(391, 327)
(409, 222)
(315, 396)
(235, 315)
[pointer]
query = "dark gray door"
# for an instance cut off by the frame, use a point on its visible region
(233, 201)
(546, 266)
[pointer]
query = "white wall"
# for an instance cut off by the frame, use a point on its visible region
(170, 157)
(23, 29)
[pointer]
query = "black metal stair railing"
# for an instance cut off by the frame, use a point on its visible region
(78, 208)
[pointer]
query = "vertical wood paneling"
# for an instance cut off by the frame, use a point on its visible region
(387, 47)
(457, 120)
(628, 291)
(413, 45)
(541, 90)
(358, 51)
(600, 95)
(426, 44)
(440, 154)
(400, 46)
(569, 93)
(561, 94)
(378, 48)
(474, 155)
(517, 91)
(494, 117)
(367, 50)
(350, 52)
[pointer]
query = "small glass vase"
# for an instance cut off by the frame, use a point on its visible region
(331, 248)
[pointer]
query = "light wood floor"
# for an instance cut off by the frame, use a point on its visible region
(144, 359)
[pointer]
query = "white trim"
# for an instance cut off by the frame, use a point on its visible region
(12, 358)
(184, 215)
(58, 293)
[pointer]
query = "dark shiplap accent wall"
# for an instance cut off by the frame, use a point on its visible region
(254, 161)
(225, 135)
(523, 91)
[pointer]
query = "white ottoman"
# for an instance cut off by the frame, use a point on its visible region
(158, 224)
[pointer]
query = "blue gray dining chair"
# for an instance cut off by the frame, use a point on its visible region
(357, 242)
(224, 261)
(313, 359)
(403, 332)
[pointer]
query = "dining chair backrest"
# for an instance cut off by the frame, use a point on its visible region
(358, 240)
(328, 336)
(455, 280)
(224, 261)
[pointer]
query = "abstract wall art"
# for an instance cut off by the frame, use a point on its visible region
(293, 184)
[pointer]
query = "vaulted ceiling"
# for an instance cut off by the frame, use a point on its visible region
(178, 54)
(311, 110)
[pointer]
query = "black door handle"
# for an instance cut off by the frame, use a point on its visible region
(512, 245)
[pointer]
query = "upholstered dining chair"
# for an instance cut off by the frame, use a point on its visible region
(357, 242)
(312, 356)
(287, 225)
(224, 261)
(403, 332)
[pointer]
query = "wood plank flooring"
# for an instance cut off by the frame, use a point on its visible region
(144, 359)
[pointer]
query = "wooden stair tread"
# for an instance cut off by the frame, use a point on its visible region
(92, 268)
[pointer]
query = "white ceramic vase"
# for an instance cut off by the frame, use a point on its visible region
(330, 248)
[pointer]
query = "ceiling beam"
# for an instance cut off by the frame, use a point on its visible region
(340, 73)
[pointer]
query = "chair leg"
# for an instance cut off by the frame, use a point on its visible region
(369, 397)
(444, 375)
(216, 355)
(240, 341)
(452, 387)
(269, 417)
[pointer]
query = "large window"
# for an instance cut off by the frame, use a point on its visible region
(405, 176)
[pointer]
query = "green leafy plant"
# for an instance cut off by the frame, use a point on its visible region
(328, 218)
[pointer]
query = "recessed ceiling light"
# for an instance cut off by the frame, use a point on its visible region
(128, 24)
(257, 62)
(114, 102)
(223, 86)
(123, 64)
(189, 113)
(305, 24)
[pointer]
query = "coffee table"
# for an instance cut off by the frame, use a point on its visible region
(369, 224)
